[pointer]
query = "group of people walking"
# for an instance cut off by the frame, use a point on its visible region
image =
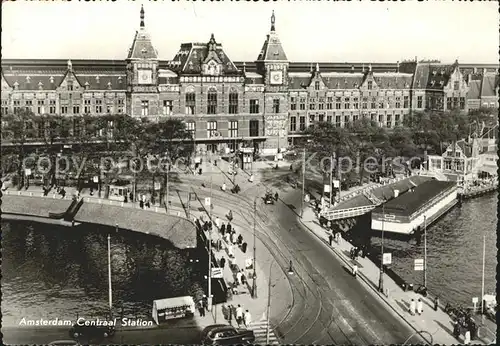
(241, 317)
(464, 323)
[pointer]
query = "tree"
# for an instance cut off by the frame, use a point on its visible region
(170, 141)
(18, 129)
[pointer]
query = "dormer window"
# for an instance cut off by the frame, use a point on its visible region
(276, 53)
(119, 79)
(144, 51)
(97, 79)
(87, 85)
(51, 79)
(195, 54)
(16, 85)
(190, 65)
(109, 85)
(432, 83)
(40, 85)
(28, 79)
(441, 83)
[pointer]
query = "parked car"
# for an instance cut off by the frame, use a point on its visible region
(220, 334)
(269, 198)
(91, 332)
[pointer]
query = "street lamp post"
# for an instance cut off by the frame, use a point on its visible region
(381, 278)
(210, 251)
(482, 279)
(303, 181)
(425, 251)
(254, 276)
(110, 290)
(268, 303)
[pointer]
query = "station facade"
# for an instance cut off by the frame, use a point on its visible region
(263, 106)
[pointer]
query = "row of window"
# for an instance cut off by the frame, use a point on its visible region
(168, 105)
(369, 85)
(339, 122)
(320, 104)
(66, 109)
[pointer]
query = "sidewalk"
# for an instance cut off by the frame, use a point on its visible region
(257, 307)
(436, 323)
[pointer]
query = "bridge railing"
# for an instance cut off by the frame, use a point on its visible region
(346, 213)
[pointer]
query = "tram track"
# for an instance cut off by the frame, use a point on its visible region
(316, 292)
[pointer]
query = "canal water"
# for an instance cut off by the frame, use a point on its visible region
(454, 252)
(51, 271)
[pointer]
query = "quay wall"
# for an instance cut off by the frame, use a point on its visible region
(180, 231)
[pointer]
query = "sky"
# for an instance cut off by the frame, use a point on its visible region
(359, 31)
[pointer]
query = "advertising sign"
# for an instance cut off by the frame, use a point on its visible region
(387, 258)
(327, 188)
(216, 273)
(419, 264)
(336, 183)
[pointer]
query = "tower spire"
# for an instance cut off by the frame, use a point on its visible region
(273, 20)
(142, 16)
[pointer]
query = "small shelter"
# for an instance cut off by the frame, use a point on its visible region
(170, 308)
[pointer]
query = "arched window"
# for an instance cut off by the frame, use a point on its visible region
(212, 101)
(190, 100)
(233, 102)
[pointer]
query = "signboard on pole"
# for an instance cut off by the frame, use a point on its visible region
(27, 172)
(387, 258)
(327, 188)
(95, 179)
(216, 273)
(207, 202)
(419, 264)
(336, 183)
(475, 300)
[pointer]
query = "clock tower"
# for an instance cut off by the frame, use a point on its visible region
(272, 64)
(142, 75)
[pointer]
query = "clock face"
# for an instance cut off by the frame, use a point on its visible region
(145, 77)
(276, 77)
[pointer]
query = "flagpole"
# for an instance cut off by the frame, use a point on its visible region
(210, 251)
(110, 289)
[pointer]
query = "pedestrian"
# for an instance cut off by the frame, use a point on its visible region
(230, 216)
(420, 306)
(276, 196)
(355, 271)
(243, 278)
(233, 238)
(238, 277)
(240, 240)
(456, 329)
(217, 223)
(473, 331)
(351, 253)
(412, 307)
(148, 204)
(244, 247)
(223, 229)
(226, 238)
(330, 238)
(204, 300)
(247, 318)
(201, 309)
(467, 337)
(222, 262)
(436, 303)
(232, 262)
(229, 227)
(141, 204)
(239, 315)
(230, 251)
(91, 191)
(63, 193)
(230, 315)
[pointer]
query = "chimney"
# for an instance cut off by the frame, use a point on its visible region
(397, 67)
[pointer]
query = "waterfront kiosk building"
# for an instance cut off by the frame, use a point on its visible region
(408, 212)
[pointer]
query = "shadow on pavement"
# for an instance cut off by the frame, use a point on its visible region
(445, 327)
(348, 271)
(403, 305)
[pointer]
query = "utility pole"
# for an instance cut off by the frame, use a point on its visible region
(482, 278)
(303, 181)
(166, 197)
(110, 290)
(210, 251)
(268, 303)
(425, 251)
(254, 276)
(331, 179)
(381, 278)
